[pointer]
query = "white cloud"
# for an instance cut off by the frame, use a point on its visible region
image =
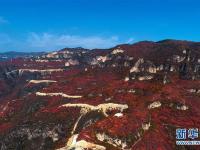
(2, 20)
(47, 40)
(130, 40)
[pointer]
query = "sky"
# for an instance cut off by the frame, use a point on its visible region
(46, 25)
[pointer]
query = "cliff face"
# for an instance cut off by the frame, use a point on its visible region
(120, 98)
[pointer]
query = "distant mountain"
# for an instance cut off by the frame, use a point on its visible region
(12, 54)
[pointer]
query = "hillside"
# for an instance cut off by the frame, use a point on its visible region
(126, 97)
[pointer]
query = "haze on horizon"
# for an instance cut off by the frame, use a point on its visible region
(42, 25)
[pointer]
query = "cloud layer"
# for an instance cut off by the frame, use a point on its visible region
(48, 41)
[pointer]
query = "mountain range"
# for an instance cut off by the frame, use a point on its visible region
(12, 54)
(129, 97)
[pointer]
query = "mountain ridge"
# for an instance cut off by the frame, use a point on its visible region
(124, 97)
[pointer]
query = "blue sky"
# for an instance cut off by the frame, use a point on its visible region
(39, 25)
